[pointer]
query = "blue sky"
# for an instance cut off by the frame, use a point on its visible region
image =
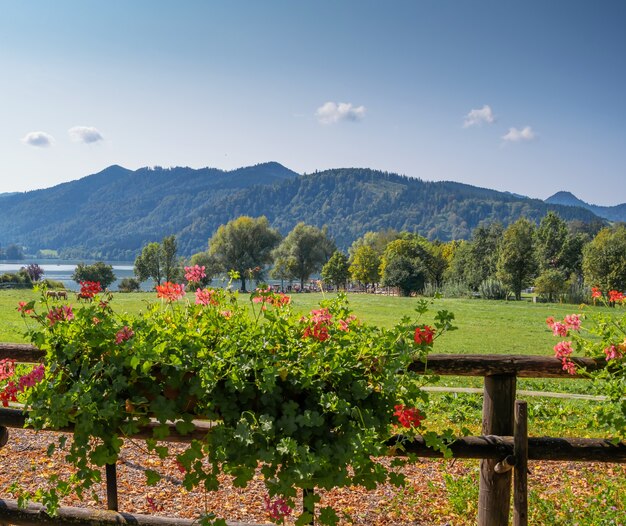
(527, 97)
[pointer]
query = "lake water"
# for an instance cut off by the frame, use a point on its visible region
(62, 270)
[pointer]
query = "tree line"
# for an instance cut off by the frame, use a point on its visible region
(557, 258)
(560, 259)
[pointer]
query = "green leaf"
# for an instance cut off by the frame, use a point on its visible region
(328, 516)
(152, 477)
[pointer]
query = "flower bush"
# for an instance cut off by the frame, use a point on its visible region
(310, 400)
(603, 337)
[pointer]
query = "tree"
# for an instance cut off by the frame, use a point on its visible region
(34, 272)
(14, 252)
(99, 271)
(244, 245)
(172, 269)
(516, 262)
(604, 259)
(404, 264)
(365, 266)
(336, 271)
(304, 251)
(483, 257)
(377, 241)
(159, 262)
(551, 283)
(550, 239)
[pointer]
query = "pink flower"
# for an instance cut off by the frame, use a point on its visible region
(343, 325)
(408, 416)
(563, 349)
(123, 335)
(424, 335)
(195, 273)
(63, 313)
(572, 322)
(170, 291)
(227, 314)
(32, 378)
(7, 368)
(613, 353)
(22, 307)
(559, 329)
(205, 297)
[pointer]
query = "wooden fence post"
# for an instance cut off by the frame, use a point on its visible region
(111, 476)
(494, 498)
(520, 448)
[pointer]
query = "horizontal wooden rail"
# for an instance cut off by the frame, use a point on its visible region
(522, 366)
(35, 514)
(492, 447)
(444, 364)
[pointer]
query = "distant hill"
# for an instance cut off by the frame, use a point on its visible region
(114, 213)
(612, 213)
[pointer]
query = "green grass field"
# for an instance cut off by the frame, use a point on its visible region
(484, 327)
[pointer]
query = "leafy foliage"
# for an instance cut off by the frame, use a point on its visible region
(310, 398)
(304, 251)
(98, 272)
(336, 271)
(244, 245)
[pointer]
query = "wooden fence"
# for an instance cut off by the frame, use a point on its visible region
(504, 448)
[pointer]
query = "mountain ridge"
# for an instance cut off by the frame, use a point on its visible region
(113, 213)
(612, 213)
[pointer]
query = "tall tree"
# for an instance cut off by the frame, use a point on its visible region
(604, 259)
(365, 265)
(336, 271)
(99, 271)
(304, 251)
(172, 269)
(148, 263)
(483, 254)
(550, 238)
(405, 265)
(517, 263)
(244, 245)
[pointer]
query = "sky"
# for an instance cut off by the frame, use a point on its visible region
(526, 97)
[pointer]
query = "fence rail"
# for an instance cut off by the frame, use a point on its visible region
(503, 448)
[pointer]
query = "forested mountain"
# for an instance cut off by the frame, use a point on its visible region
(612, 213)
(113, 213)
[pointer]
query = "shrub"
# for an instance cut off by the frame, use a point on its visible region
(311, 399)
(493, 289)
(129, 285)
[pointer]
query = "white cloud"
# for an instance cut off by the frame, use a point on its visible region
(85, 134)
(332, 112)
(479, 116)
(515, 135)
(39, 139)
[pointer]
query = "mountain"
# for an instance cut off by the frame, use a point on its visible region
(114, 213)
(612, 213)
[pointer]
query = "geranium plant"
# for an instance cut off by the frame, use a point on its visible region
(309, 400)
(600, 335)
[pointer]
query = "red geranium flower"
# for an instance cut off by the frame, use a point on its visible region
(424, 335)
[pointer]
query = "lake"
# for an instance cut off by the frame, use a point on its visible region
(62, 270)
